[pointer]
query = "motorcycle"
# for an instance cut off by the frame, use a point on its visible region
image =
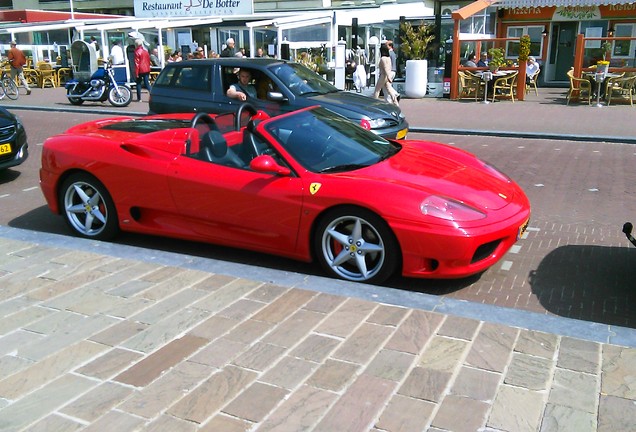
(93, 83)
(101, 86)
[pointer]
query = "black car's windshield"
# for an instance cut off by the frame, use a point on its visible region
(323, 141)
(302, 81)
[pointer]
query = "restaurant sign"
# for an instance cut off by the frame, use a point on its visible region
(191, 8)
(577, 13)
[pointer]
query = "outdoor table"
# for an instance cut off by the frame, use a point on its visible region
(488, 77)
(599, 78)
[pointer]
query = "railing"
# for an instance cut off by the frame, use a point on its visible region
(498, 43)
(579, 54)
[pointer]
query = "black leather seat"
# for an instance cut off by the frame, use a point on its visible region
(252, 146)
(214, 149)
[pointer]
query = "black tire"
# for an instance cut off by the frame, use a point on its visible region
(122, 99)
(356, 245)
(88, 208)
(10, 88)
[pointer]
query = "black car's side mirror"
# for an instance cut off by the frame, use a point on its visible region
(276, 96)
(267, 164)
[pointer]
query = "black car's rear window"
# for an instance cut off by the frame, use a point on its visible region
(191, 77)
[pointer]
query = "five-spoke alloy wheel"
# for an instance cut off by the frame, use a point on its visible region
(88, 208)
(356, 245)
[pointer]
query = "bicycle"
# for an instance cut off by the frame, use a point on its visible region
(8, 87)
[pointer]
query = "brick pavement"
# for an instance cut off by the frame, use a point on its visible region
(91, 340)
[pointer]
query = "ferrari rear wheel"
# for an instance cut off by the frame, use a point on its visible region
(88, 208)
(356, 245)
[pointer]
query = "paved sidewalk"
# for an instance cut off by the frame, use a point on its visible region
(90, 341)
(107, 337)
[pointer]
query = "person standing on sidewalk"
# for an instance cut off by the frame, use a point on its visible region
(142, 67)
(17, 60)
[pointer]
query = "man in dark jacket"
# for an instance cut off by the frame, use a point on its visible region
(229, 50)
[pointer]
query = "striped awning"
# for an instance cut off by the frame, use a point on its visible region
(536, 3)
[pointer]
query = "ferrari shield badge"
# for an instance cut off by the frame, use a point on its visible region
(314, 187)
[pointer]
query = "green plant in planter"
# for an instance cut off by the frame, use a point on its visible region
(524, 48)
(415, 40)
(497, 58)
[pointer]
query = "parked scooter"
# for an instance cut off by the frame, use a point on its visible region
(93, 83)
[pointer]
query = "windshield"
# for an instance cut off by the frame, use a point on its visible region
(302, 81)
(323, 141)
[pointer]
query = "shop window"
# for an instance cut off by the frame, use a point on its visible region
(625, 49)
(536, 40)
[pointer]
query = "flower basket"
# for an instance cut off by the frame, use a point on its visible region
(602, 67)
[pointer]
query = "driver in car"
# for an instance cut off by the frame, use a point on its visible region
(242, 89)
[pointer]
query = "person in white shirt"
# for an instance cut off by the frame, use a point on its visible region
(117, 54)
(532, 67)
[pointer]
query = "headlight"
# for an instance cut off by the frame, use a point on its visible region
(449, 209)
(373, 123)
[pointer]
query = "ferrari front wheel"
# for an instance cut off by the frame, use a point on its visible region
(356, 245)
(88, 208)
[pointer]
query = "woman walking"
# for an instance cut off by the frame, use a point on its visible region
(385, 80)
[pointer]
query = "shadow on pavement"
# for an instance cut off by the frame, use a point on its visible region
(41, 219)
(591, 283)
(8, 175)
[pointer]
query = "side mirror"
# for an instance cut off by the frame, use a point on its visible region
(276, 96)
(267, 164)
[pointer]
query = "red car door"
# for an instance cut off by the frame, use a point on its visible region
(238, 207)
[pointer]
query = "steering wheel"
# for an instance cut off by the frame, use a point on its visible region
(245, 106)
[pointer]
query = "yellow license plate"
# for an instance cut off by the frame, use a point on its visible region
(5, 148)
(522, 229)
(401, 134)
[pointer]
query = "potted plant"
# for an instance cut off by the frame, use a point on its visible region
(415, 42)
(497, 58)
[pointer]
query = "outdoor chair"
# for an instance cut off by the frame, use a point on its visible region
(47, 75)
(580, 86)
(471, 85)
(63, 75)
(622, 89)
(505, 87)
(31, 75)
(532, 82)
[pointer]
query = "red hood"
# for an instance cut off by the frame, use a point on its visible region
(446, 172)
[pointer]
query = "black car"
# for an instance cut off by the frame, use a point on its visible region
(282, 86)
(13, 140)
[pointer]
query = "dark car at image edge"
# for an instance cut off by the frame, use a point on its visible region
(13, 140)
(282, 86)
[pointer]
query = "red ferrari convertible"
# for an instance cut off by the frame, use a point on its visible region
(308, 185)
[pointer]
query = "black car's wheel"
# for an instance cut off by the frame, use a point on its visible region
(120, 97)
(88, 208)
(356, 245)
(244, 107)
